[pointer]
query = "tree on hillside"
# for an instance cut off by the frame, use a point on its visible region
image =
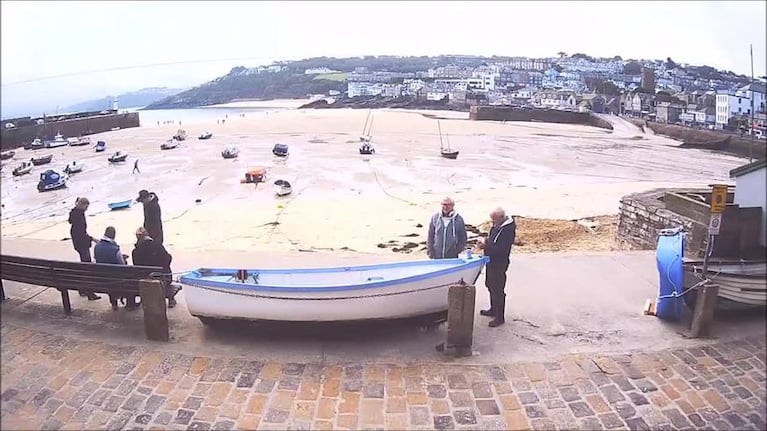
(670, 64)
(632, 68)
(562, 54)
(617, 58)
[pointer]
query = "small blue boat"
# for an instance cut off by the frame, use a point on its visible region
(51, 180)
(101, 146)
(121, 205)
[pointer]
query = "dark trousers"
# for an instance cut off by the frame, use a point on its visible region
(495, 280)
(85, 256)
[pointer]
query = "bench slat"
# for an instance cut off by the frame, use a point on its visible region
(130, 271)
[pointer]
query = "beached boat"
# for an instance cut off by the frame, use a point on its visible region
(58, 141)
(37, 161)
(206, 135)
(23, 169)
(280, 150)
(255, 175)
(5, 155)
(282, 188)
(180, 135)
(367, 148)
(743, 282)
(120, 205)
(74, 167)
(170, 144)
(230, 152)
(51, 180)
(78, 142)
(444, 146)
(357, 293)
(100, 146)
(34, 145)
(117, 157)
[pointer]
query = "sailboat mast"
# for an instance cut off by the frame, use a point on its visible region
(365, 126)
(370, 127)
(751, 126)
(440, 134)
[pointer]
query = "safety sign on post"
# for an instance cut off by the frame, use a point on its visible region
(718, 198)
(714, 224)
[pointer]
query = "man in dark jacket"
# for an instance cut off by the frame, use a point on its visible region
(152, 214)
(81, 241)
(497, 247)
(148, 252)
(108, 251)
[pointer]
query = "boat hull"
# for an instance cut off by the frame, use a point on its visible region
(120, 205)
(118, 159)
(741, 282)
(450, 155)
(397, 299)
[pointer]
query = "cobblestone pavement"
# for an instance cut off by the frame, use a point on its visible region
(51, 382)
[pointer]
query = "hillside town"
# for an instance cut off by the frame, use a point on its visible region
(661, 91)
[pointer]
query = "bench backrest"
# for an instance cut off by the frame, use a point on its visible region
(98, 277)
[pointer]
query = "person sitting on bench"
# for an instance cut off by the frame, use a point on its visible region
(108, 251)
(148, 252)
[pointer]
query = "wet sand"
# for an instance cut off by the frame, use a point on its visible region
(342, 200)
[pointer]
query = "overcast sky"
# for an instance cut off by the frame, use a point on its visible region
(41, 39)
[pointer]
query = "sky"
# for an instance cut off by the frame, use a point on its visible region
(44, 39)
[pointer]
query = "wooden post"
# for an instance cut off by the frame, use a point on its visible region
(65, 301)
(704, 310)
(460, 319)
(2, 292)
(152, 294)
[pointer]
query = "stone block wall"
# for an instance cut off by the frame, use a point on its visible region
(506, 113)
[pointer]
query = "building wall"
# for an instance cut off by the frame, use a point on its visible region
(750, 192)
(20, 136)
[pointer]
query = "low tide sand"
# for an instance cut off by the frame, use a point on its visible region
(342, 200)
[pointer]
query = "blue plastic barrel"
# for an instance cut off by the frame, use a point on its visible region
(669, 254)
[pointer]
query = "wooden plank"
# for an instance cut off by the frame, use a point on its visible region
(155, 314)
(704, 310)
(94, 268)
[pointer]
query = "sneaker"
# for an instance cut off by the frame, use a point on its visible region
(496, 322)
(489, 312)
(171, 303)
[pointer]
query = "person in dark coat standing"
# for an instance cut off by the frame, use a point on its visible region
(81, 241)
(497, 247)
(152, 214)
(148, 252)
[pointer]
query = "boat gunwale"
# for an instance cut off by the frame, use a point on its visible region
(195, 277)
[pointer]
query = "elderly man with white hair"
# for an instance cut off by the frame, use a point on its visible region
(447, 233)
(497, 247)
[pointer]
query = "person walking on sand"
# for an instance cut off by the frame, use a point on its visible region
(447, 233)
(81, 241)
(497, 247)
(135, 167)
(152, 214)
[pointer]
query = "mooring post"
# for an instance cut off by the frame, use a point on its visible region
(460, 320)
(152, 294)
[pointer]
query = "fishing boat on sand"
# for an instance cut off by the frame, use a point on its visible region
(120, 205)
(367, 148)
(79, 142)
(5, 155)
(170, 144)
(74, 167)
(352, 293)
(37, 161)
(206, 135)
(118, 157)
(280, 150)
(34, 145)
(100, 146)
(282, 188)
(51, 180)
(23, 169)
(58, 141)
(230, 152)
(255, 175)
(180, 135)
(444, 147)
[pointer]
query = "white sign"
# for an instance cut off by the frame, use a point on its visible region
(714, 224)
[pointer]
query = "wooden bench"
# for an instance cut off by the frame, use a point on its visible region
(118, 280)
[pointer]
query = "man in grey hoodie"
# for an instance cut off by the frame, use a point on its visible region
(447, 233)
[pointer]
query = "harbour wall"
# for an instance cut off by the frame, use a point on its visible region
(506, 113)
(20, 136)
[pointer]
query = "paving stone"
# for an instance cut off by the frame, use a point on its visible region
(436, 391)
(482, 390)
(183, 416)
(625, 410)
(569, 394)
(198, 426)
(373, 390)
(533, 411)
(612, 394)
(645, 385)
(638, 424)
(610, 420)
(580, 409)
(637, 398)
(223, 425)
(735, 419)
(465, 417)
(457, 381)
(488, 407)
(276, 415)
(528, 398)
(555, 403)
(590, 424)
(444, 423)
(419, 416)
(696, 420)
(542, 424)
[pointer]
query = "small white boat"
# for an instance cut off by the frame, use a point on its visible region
(353, 293)
(170, 144)
(23, 169)
(230, 152)
(82, 141)
(74, 167)
(72, 141)
(282, 188)
(58, 141)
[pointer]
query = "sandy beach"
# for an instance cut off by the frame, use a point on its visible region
(342, 200)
